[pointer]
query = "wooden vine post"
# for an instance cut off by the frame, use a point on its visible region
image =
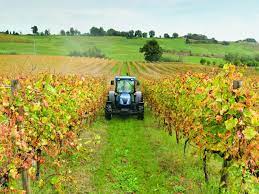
(237, 84)
(204, 162)
(24, 171)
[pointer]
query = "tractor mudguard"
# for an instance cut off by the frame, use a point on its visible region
(111, 97)
(139, 97)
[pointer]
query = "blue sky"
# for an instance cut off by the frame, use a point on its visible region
(222, 19)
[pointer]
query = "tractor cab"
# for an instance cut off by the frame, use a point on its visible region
(125, 84)
(125, 99)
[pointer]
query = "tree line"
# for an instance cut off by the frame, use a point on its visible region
(95, 31)
(10, 32)
(190, 38)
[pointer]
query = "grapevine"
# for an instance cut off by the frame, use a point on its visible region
(41, 116)
(209, 112)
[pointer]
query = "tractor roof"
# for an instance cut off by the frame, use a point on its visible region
(125, 77)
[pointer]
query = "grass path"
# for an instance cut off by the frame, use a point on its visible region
(128, 162)
(138, 157)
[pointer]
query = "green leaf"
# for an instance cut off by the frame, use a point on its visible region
(249, 133)
(54, 180)
(247, 113)
(255, 121)
(231, 123)
(44, 120)
(50, 89)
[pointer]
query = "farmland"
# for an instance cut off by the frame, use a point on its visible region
(53, 127)
(120, 48)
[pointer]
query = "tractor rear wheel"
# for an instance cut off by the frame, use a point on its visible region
(141, 112)
(108, 111)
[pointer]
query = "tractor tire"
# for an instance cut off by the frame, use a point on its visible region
(111, 97)
(141, 112)
(108, 112)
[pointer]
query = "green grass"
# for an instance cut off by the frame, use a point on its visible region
(115, 68)
(138, 156)
(118, 48)
(124, 69)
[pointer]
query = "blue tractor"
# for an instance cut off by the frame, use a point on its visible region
(125, 99)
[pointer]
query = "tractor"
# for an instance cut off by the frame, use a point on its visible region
(125, 99)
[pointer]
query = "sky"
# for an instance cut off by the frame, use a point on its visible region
(221, 19)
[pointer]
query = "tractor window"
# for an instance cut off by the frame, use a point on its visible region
(125, 86)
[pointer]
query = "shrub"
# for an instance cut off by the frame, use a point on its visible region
(221, 65)
(257, 57)
(237, 59)
(92, 52)
(171, 59)
(226, 43)
(203, 61)
(8, 53)
(187, 41)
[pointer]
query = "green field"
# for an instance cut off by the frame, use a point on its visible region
(118, 48)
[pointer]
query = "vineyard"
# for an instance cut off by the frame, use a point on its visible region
(213, 114)
(27, 64)
(45, 109)
(41, 119)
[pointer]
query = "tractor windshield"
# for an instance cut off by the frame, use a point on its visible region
(125, 85)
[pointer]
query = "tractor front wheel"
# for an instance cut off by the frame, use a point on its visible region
(108, 111)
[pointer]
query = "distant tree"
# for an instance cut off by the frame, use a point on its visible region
(214, 41)
(196, 36)
(214, 63)
(102, 31)
(34, 30)
(152, 34)
(252, 40)
(130, 34)
(41, 33)
(68, 33)
(62, 32)
(208, 62)
(72, 31)
(77, 32)
(144, 35)
(175, 35)
(203, 61)
(46, 32)
(94, 31)
(124, 34)
(166, 35)
(152, 51)
(7, 32)
(111, 32)
(138, 33)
